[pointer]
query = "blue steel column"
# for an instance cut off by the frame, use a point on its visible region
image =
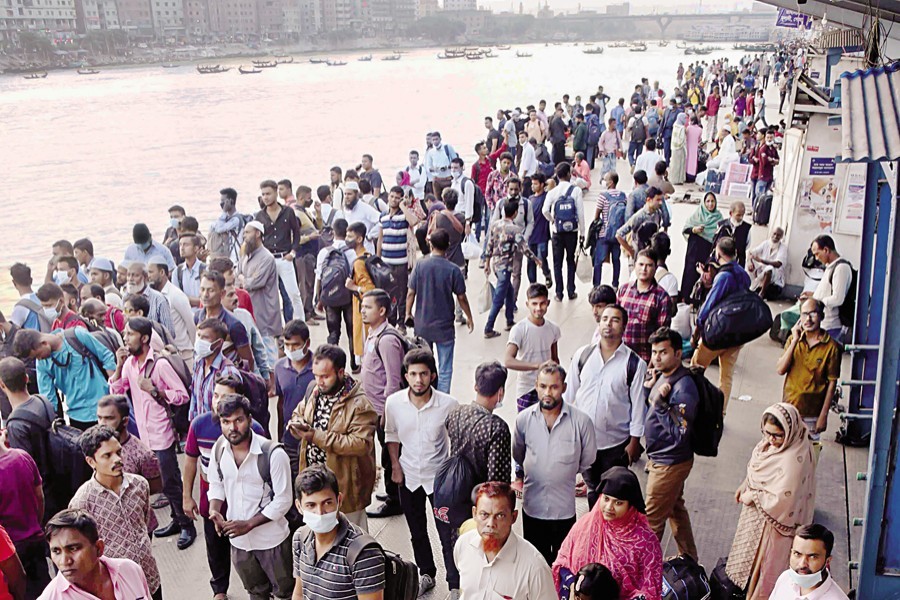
(880, 553)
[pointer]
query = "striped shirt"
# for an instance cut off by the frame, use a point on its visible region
(330, 577)
(394, 230)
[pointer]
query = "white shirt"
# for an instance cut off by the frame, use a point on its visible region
(601, 391)
(518, 571)
(557, 193)
(182, 316)
(646, 162)
(785, 589)
(534, 343)
(366, 215)
(466, 196)
(350, 255)
(529, 164)
(774, 253)
(423, 434)
(832, 290)
(417, 179)
(244, 490)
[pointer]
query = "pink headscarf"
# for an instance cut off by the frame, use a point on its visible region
(626, 546)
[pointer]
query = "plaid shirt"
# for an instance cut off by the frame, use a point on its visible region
(123, 521)
(496, 188)
(647, 312)
(203, 382)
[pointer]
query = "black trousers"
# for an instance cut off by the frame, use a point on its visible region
(559, 152)
(397, 314)
(415, 511)
(390, 488)
(171, 481)
(218, 556)
(546, 535)
(333, 317)
(33, 553)
(564, 243)
(606, 459)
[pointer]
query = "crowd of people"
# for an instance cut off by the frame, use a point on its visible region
(112, 370)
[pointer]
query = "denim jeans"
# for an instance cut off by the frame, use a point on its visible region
(504, 294)
(760, 188)
(444, 353)
(606, 248)
(591, 155)
(634, 150)
(540, 250)
(287, 309)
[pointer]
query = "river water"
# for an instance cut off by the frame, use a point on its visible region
(92, 155)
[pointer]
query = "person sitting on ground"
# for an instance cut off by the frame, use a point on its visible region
(595, 582)
(765, 265)
(615, 533)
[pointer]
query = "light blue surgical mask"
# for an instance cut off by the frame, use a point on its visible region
(806, 581)
(146, 245)
(320, 523)
(174, 223)
(51, 313)
(60, 277)
(202, 348)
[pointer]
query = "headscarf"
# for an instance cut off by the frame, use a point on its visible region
(782, 481)
(626, 546)
(681, 119)
(708, 219)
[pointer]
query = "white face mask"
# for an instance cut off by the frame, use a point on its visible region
(320, 523)
(805, 581)
(51, 313)
(298, 354)
(202, 348)
(60, 277)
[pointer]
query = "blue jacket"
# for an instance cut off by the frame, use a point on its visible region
(670, 421)
(732, 278)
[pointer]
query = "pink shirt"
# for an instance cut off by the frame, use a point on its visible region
(584, 171)
(152, 421)
(127, 578)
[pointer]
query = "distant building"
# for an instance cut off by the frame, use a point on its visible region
(96, 15)
(391, 16)
(168, 17)
(474, 20)
(310, 17)
(135, 17)
(54, 16)
(427, 8)
(619, 10)
(196, 18)
(455, 5)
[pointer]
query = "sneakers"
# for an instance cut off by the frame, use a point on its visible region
(454, 594)
(426, 582)
(489, 335)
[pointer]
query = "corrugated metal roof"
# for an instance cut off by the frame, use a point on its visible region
(870, 114)
(843, 38)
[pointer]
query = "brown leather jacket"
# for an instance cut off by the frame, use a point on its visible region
(349, 445)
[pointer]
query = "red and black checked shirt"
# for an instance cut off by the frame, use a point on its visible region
(647, 312)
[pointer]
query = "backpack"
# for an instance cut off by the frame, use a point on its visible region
(406, 343)
(335, 271)
(67, 464)
(326, 235)
(401, 577)
(847, 309)
(594, 131)
(43, 322)
(87, 355)
(453, 484)
(721, 586)
(653, 119)
(684, 579)
(178, 414)
(631, 369)
(618, 205)
(738, 319)
(262, 462)
(478, 204)
(566, 212)
(638, 130)
(709, 423)
(255, 389)
(179, 273)
(381, 273)
(105, 336)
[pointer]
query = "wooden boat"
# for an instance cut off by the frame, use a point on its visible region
(36, 75)
(366, 58)
(618, 45)
(284, 61)
(639, 47)
(336, 63)
(244, 71)
(662, 43)
(503, 47)
(265, 64)
(523, 55)
(699, 50)
(595, 50)
(170, 66)
(281, 55)
(392, 57)
(474, 56)
(319, 61)
(88, 71)
(209, 69)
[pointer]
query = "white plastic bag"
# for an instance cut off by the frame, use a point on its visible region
(486, 297)
(470, 248)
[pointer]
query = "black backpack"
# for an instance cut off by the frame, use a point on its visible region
(335, 271)
(401, 577)
(847, 309)
(738, 319)
(721, 586)
(684, 579)
(639, 130)
(86, 354)
(479, 199)
(254, 388)
(710, 420)
(178, 414)
(380, 272)
(453, 484)
(406, 343)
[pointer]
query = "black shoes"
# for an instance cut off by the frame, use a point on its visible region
(171, 529)
(387, 509)
(187, 537)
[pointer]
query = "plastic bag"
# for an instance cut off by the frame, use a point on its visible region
(584, 267)
(486, 297)
(470, 248)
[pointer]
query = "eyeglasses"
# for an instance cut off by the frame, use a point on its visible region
(773, 435)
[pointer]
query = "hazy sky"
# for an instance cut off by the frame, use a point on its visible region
(637, 6)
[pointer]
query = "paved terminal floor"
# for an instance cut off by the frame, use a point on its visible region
(710, 489)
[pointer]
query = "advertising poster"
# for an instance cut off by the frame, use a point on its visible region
(853, 201)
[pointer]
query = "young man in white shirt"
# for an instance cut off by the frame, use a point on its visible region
(256, 525)
(605, 380)
(415, 418)
(417, 175)
(809, 576)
